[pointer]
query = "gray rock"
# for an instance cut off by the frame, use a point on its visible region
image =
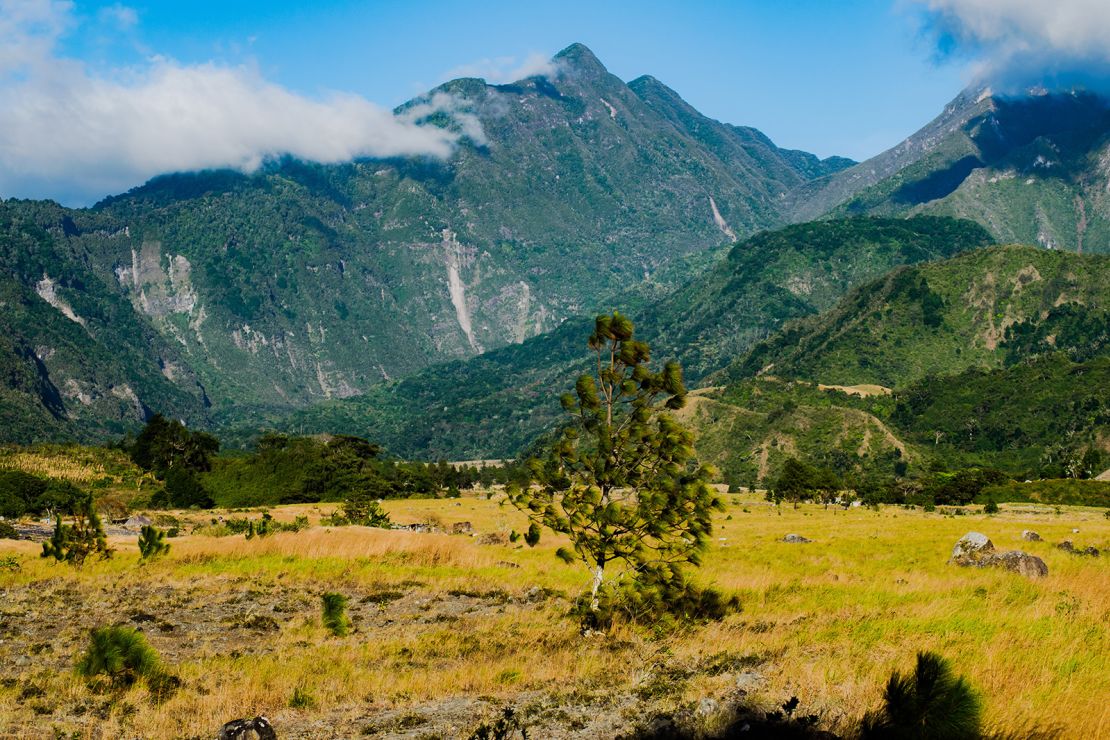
(795, 538)
(138, 521)
(707, 707)
(1030, 536)
(1067, 546)
(971, 547)
(1017, 561)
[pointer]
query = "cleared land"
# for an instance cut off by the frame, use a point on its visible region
(450, 628)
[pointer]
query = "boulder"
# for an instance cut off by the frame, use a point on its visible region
(1030, 536)
(795, 538)
(970, 548)
(1017, 561)
(138, 521)
(976, 550)
(1067, 546)
(247, 729)
(462, 528)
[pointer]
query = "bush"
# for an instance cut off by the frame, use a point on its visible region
(361, 510)
(335, 614)
(183, 491)
(929, 704)
(74, 543)
(8, 532)
(152, 543)
(120, 653)
(990, 507)
(663, 596)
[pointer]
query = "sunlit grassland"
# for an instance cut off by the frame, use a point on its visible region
(829, 619)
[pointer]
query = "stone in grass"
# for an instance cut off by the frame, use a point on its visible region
(976, 550)
(1067, 546)
(245, 729)
(970, 547)
(795, 538)
(1030, 536)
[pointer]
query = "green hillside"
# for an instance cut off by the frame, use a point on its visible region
(495, 404)
(976, 310)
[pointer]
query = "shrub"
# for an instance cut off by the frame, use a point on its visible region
(360, 510)
(74, 543)
(8, 532)
(656, 595)
(120, 653)
(990, 507)
(505, 727)
(335, 614)
(152, 543)
(931, 703)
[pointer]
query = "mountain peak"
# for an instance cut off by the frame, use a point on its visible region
(579, 57)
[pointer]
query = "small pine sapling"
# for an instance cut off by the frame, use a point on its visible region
(74, 543)
(122, 654)
(152, 543)
(335, 614)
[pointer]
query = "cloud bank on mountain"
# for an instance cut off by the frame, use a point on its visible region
(75, 135)
(1022, 44)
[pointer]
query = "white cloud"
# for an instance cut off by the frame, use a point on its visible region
(500, 70)
(1023, 42)
(70, 134)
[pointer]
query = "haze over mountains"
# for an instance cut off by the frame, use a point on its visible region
(225, 299)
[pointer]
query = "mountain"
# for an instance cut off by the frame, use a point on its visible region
(495, 404)
(1033, 169)
(984, 308)
(996, 357)
(216, 296)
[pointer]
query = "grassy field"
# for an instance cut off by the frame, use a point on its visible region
(450, 628)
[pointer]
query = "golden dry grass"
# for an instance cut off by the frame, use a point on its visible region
(829, 620)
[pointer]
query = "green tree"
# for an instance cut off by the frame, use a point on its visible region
(166, 444)
(796, 482)
(152, 543)
(622, 481)
(74, 543)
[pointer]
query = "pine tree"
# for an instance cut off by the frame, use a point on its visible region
(120, 653)
(74, 543)
(929, 704)
(335, 614)
(622, 481)
(152, 543)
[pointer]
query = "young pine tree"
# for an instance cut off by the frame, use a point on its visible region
(74, 543)
(930, 704)
(152, 543)
(335, 614)
(622, 481)
(120, 653)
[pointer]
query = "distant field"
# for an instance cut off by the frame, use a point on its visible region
(449, 629)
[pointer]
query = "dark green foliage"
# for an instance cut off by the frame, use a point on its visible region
(929, 704)
(1079, 331)
(532, 536)
(990, 507)
(121, 654)
(8, 532)
(166, 444)
(152, 543)
(656, 596)
(961, 487)
(284, 470)
(361, 509)
(183, 490)
(74, 543)
(1064, 492)
(622, 481)
(25, 494)
(800, 482)
(335, 614)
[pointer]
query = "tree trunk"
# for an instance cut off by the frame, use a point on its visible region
(599, 574)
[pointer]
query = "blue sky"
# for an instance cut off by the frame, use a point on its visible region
(849, 78)
(97, 97)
